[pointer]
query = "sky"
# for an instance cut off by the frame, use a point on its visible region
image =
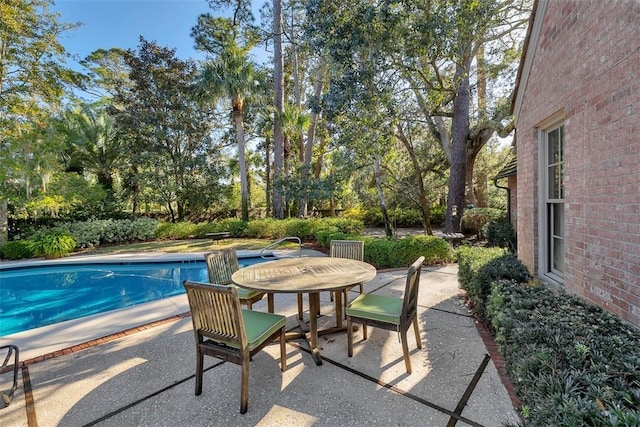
(119, 23)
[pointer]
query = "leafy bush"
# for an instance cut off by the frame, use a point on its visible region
(571, 362)
(17, 249)
(176, 230)
(346, 225)
(268, 228)
(479, 267)
(390, 253)
(474, 220)
(94, 232)
(438, 215)
(54, 243)
(401, 217)
(501, 234)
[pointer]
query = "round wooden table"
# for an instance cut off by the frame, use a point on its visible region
(310, 275)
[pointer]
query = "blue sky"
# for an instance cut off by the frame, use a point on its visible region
(119, 23)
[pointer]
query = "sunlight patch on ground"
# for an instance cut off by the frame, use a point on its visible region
(281, 416)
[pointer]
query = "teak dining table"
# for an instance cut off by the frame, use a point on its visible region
(310, 275)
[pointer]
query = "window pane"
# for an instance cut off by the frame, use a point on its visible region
(553, 179)
(558, 220)
(554, 148)
(558, 255)
(560, 181)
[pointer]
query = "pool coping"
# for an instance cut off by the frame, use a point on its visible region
(131, 257)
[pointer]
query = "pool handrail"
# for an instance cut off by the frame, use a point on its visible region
(284, 239)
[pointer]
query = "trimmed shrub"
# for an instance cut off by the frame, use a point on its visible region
(571, 362)
(501, 234)
(390, 253)
(17, 249)
(479, 267)
(176, 230)
(474, 220)
(54, 243)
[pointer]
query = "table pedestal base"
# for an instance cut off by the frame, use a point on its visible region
(311, 332)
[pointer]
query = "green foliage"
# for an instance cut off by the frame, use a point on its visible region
(174, 161)
(54, 243)
(438, 214)
(94, 232)
(269, 228)
(346, 225)
(571, 362)
(391, 253)
(479, 267)
(474, 220)
(17, 249)
(176, 230)
(501, 234)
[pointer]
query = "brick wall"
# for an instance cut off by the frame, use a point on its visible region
(587, 66)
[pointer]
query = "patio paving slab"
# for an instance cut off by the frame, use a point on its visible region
(146, 378)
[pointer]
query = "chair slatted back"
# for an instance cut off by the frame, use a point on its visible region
(221, 265)
(351, 249)
(216, 313)
(410, 298)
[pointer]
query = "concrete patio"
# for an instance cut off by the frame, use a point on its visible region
(144, 377)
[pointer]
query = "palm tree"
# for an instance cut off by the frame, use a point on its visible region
(234, 76)
(94, 144)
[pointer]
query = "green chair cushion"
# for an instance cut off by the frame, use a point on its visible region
(259, 326)
(376, 307)
(246, 293)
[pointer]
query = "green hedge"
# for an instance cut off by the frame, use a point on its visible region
(475, 220)
(572, 363)
(17, 249)
(478, 267)
(501, 234)
(392, 253)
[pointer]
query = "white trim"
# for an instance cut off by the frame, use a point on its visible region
(531, 51)
(543, 269)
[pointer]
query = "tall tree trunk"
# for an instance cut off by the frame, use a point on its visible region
(422, 196)
(242, 163)
(474, 149)
(267, 174)
(4, 222)
(308, 149)
(278, 138)
(320, 158)
(460, 135)
(388, 229)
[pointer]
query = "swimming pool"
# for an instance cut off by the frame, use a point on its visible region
(31, 297)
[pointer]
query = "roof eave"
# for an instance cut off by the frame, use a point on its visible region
(528, 52)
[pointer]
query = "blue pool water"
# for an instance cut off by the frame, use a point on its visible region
(32, 297)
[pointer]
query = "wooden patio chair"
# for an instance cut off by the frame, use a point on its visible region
(350, 249)
(223, 330)
(395, 314)
(221, 264)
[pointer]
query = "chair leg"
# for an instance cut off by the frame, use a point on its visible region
(244, 385)
(249, 305)
(283, 350)
(405, 351)
(417, 332)
(199, 368)
(349, 337)
(364, 332)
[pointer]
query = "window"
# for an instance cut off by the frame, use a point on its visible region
(552, 227)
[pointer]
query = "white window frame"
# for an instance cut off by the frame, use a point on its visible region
(545, 202)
